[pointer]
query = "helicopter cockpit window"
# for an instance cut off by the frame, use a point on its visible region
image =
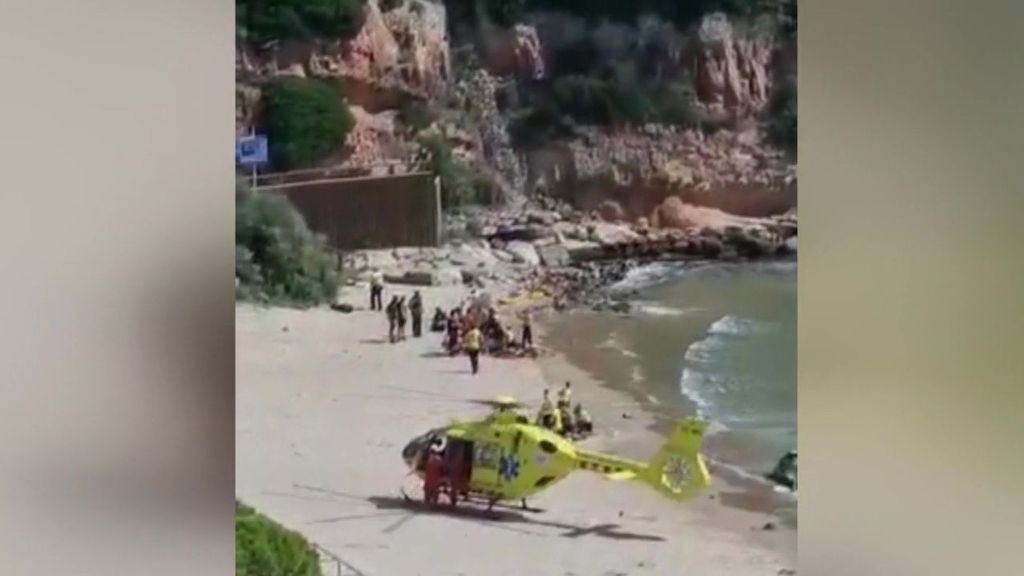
(419, 444)
(486, 456)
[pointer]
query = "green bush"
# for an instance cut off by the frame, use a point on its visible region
(262, 21)
(615, 98)
(461, 184)
(783, 115)
(265, 548)
(501, 12)
(416, 116)
(277, 258)
(305, 120)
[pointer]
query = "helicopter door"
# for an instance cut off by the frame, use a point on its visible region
(508, 463)
(486, 459)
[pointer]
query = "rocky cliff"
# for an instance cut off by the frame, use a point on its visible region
(405, 55)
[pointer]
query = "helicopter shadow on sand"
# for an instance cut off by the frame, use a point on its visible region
(501, 517)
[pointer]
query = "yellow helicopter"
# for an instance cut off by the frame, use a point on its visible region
(506, 457)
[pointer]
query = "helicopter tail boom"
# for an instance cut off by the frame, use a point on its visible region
(678, 469)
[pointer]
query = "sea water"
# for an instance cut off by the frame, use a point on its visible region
(716, 340)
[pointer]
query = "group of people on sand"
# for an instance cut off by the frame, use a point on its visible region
(574, 424)
(399, 312)
(475, 329)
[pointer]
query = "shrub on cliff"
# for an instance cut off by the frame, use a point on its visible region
(261, 21)
(416, 116)
(277, 258)
(265, 548)
(305, 120)
(461, 183)
(783, 116)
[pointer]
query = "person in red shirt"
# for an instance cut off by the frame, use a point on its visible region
(432, 474)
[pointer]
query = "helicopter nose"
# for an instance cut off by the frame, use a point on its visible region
(409, 452)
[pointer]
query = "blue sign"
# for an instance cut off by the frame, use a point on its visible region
(250, 150)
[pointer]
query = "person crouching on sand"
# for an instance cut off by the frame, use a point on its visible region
(392, 313)
(584, 424)
(472, 343)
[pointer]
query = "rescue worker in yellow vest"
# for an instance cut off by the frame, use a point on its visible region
(565, 396)
(472, 343)
(548, 416)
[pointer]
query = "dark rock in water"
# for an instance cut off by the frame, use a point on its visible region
(627, 415)
(746, 243)
(769, 526)
(284, 329)
(710, 233)
(343, 307)
(787, 572)
(710, 247)
(621, 307)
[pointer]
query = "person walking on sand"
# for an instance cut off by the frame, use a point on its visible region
(416, 311)
(472, 344)
(402, 315)
(376, 290)
(392, 313)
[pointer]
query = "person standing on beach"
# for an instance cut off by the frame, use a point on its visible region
(376, 290)
(416, 311)
(565, 396)
(454, 328)
(546, 415)
(392, 313)
(527, 330)
(402, 314)
(473, 341)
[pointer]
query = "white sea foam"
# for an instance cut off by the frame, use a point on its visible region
(656, 309)
(701, 351)
(636, 374)
(691, 384)
(730, 325)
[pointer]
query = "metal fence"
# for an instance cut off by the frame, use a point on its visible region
(367, 212)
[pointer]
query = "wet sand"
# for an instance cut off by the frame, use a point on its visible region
(324, 406)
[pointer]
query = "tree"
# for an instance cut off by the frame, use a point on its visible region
(305, 121)
(262, 21)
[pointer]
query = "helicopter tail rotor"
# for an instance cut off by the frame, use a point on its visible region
(678, 469)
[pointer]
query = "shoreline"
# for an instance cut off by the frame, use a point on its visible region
(741, 490)
(755, 492)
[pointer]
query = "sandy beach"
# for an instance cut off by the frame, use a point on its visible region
(324, 405)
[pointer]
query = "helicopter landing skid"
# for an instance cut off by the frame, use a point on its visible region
(415, 496)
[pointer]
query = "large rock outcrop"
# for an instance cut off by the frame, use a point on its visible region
(732, 71)
(401, 54)
(515, 51)
(733, 170)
